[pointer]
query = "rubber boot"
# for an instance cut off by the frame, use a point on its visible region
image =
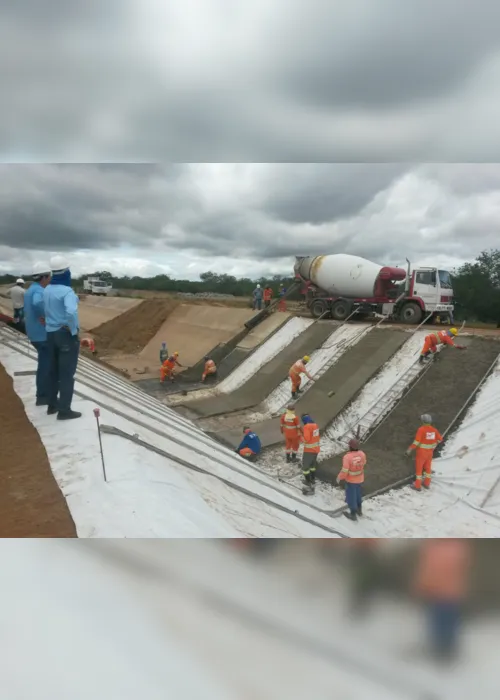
(359, 512)
(288, 458)
(308, 489)
(294, 456)
(350, 515)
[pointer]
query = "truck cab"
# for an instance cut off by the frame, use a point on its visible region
(97, 286)
(428, 291)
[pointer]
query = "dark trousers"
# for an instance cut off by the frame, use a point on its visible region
(445, 624)
(257, 304)
(353, 496)
(309, 463)
(63, 359)
(42, 370)
(18, 315)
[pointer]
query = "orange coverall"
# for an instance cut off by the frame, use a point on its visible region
(295, 371)
(291, 430)
(210, 368)
(311, 451)
(426, 441)
(167, 369)
(434, 339)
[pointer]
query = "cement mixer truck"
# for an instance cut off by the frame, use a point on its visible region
(336, 285)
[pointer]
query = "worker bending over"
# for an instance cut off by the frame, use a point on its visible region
(292, 432)
(434, 340)
(311, 452)
(89, 344)
(210, 368)
(296, 372)
(250, 446)
(426, 441)
(353, 473)
(168, 367)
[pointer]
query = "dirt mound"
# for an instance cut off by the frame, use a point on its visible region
(130, 332)
(31, 504)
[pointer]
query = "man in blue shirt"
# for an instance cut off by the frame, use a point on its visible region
(62, 325)
(34, 317)
(250, 446)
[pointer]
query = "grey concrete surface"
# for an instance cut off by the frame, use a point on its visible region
(267, 378)
(347, 377)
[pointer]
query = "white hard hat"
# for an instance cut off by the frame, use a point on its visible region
(20, 281)
(258, 286)
(41, 269)
(59, 263)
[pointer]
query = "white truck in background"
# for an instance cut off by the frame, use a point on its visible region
(97, 286)
(335, 285)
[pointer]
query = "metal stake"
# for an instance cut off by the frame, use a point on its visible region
(97, 413)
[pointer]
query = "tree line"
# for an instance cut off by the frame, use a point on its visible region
(476, 286)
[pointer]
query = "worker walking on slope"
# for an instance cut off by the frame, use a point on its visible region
(168, 367)
(292, 432)
(210, 368)
(311, 452)
(296, 372)
(250, 447)
(62, 324)
(426, 441)
(16, 294)
(353, 473)
(34, 315)
(437, 338)
(163, 353)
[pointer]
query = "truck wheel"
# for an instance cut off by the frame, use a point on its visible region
(318, 308)
(341, 310)
(411, 313)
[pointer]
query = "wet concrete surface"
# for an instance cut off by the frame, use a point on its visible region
(442, 391)
(267, 378)
(347, 377)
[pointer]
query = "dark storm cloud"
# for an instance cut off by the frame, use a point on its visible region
(353, 80)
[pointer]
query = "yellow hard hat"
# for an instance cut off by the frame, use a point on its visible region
(176, 353)
(306, 358)
(453, 331)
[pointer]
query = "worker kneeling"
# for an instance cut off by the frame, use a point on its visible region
(292, 432)
(168, 367)
(210, 369)
(296, 372)
(250, 446)
(434, 340)
(353, 473)
(426, 441)
(311, 451)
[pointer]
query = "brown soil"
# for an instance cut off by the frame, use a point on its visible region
(31, 504)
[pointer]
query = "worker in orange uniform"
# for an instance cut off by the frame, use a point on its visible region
(292, 432)
(168, 367)
(296, 372)
(268, 296)
(426, 441)
(434, 340)
(353, 473)
(311, 452)
(442, 584)
(210, 368)
(89, 344)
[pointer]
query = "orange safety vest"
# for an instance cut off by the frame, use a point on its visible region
(298, 368)
(268, 294)
(353, 467)
(210, 367)
(311, 438)
(170, 363)
(443, 569)
(427, 438)
(440, 338)
(290, 424)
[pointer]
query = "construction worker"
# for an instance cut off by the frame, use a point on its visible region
(257, 298)
(163, 353)
(88, 343)
(353, 473)
(62, 325)
(250, 446)
(433, 340)
(282, 296)
(442, 584)
(311, 451)
(34, 314)
(210, 368)
(168, 367)
(268, 296)
(292, 432)
(295, 373)
(426, 441)
(16, 294)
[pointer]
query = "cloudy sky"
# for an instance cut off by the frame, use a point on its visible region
(244, 219)
(252, 81)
